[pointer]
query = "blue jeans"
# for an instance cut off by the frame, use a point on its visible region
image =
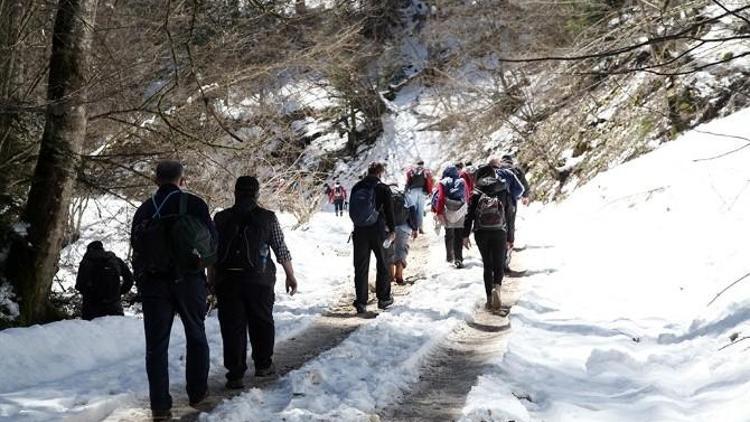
(418, 198)
(162, 298)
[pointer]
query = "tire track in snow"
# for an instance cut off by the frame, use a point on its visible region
(454, 367)
(325, 333)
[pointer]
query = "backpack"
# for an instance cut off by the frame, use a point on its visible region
(490, 213)
(179, 242)
(362, 209)
(338, 193)
(101, 277)
(400, 210)
(454, 188)
(455, 211)
(418, 178)
(245, 246)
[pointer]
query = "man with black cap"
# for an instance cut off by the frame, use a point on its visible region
(102, 279)
(244, 278)
(167, 288)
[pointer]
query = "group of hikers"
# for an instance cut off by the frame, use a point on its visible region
(180, 255)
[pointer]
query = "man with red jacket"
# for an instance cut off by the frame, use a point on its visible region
(419, 184)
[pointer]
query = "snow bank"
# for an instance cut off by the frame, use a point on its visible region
(615, 322)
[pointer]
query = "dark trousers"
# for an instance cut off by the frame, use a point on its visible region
(454, 243)
(245, 307)
(369, 240)
(491, 244)
(90, 310)
(162, 298)
(338, 205)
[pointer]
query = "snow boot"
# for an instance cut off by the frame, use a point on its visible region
(458, 264)
(384, 304)
(198, 400)
(495, 298)
(235, 384)
(161, 415)
(268, 371)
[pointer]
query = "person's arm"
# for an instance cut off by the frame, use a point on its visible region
(508, 219)
(283, 256)
(522, 178)
(469, 221)
(81, 276)
(205, 217)
(429, 183)
(440, 205)
(127, 277)
(346, 196)
(386, 205)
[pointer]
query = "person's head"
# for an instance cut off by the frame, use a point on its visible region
(508, 158)
(170, 172)
(246, 187)
(376, 169)
(494, 162)
(337, 184)
(485, 177)
(460, 165)
(420, 162)
(451, 172)
(95, 246)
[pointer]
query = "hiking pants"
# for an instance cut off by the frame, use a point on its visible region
(454, 243)
(417, 197)
(491, 244)
(369, 240)
(245, 307)
(338, 205)
(162, 298)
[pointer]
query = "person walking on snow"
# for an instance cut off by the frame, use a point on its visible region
(173, 238)
(371, 211)
(405, 220)
(519, 188)
(243, 279)
(338, 197)
(488, 216)
(419, 185)
(450, 206)
(102, 280)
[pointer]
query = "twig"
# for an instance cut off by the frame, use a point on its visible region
(727, 288)
(734, 342)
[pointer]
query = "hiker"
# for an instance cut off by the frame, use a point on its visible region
(338, 197)
(327, 192)
(243, 279)
(467, 173)
(519, 188)
(102, 280)
(405, 220)
(419, 185)
(173, 239)
(488, 214)
(450, 204)
(371, 211)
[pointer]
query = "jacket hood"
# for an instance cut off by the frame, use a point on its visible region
(451, 171)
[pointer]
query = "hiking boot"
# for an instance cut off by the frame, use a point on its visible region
(361, 309)
(198, 400)
(488, 305)
(161, 415)
(384, 304)
(459, 264)
(268, 371)
(235, 384)
(495, 298)
(400, 282)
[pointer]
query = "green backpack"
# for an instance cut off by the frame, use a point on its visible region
(192, 247)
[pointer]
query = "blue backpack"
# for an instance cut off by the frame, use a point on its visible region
(362, 209)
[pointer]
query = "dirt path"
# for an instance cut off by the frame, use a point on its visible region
(326, 332)
(453, 368)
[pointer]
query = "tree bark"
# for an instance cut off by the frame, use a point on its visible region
(33, 261)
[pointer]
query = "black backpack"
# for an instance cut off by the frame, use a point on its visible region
(100, 278)
(181, 243)
(400, 210)
(243, 243)
(418, 179)
(362, 208)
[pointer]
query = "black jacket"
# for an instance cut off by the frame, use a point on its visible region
(505, 198)
(87, 286)
(383, 202)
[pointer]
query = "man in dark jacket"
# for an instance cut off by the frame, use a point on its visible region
(102, 280)
(371, 210)
(244, 277)
(169, 291)
(488, 216)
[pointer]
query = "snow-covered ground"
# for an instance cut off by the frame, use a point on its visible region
(81, 370)
(616, 321)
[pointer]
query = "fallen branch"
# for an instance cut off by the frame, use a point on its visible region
(734, 342)
(727, 288)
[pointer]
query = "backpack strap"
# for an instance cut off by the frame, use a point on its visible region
(183, 204)
(157, 208)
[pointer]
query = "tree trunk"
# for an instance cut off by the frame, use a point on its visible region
(299, 7)
(33, 261)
